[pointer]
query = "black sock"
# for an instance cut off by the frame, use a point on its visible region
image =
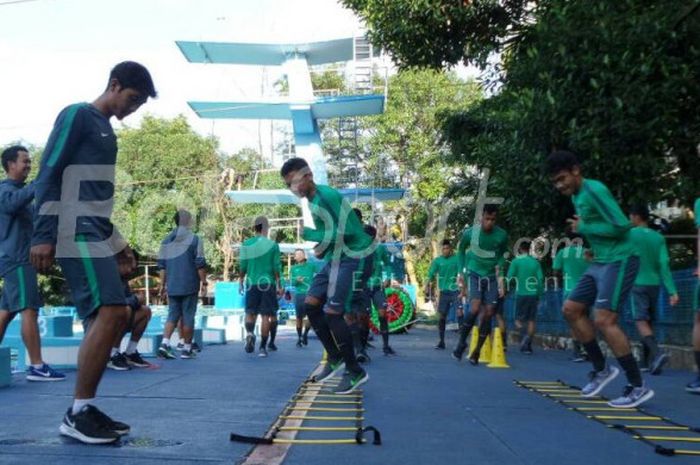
(364, 334)
(595, 354)
(577, 348)
(441, 326)
(697, 360)
(343, 339)
(356, 337)
(522, 332)
(645, 354)
(465, 328)
(273, 332)
(250, 327)
(504, 336)
(649, 342)
(263, 342)
(320, 325)
(306, 331)
(629, 364)
(484, 331)
(384, 329)
(299, 332)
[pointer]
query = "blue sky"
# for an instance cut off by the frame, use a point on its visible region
(56, 52)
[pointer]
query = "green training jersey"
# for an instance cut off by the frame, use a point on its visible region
(260, 261)
(602, 223)
(482, 252)
(697, 212)
(447, 269)
(571, 262)
(653, 259)
(336, 225)
(301, 276)
(527, 272)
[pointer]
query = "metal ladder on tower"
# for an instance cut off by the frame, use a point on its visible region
(362, 61)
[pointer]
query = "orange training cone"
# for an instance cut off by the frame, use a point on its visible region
(499, 355)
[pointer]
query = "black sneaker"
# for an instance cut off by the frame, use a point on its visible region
(388, 350)
(166, 352)
(474, 358)
(187, 354)
(440, 345)
(87, 427)
(363, 357)
(250, 343)
(305, 339)
(528, 350)
(524, 344)
(458, 352)
(299, 343)
(329, 370)
(350, 382)
(118, 362)
(658, 363)
(262, 352)
(136, 360)
(180, 346)
(109, 424)
(195, 347)
(272, 347)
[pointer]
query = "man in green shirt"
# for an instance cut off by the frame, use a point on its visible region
(526, 271)
(481, 254)
(348, 253)
(375, 295)
(358, 317)
(260, 277)
(446, 267)
(694, 386)
(570, 262)
(607, 281)
(301, 276)
(653, 270)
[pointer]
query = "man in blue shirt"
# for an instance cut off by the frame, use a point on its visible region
(182, 274)
(74, 200)
(20, 293)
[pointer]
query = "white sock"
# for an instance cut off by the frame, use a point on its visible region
(38, 367)
(166, 341)
(131, 348)
(188, 347)
(115, 351)
(78, 404)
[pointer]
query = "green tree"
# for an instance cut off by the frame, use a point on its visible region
(407, 138)
(616, 82)
(437, 33)
(163, 165)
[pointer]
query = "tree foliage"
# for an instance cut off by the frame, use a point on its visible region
(616, 82)
(163, 165)
(437, 33)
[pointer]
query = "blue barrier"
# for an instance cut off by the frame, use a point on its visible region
(5, 367)
(672, 325)
(49, 326)
(227, 296)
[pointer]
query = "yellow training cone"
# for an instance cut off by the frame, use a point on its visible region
(485, 356)
(499, 355)
(473, 340)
